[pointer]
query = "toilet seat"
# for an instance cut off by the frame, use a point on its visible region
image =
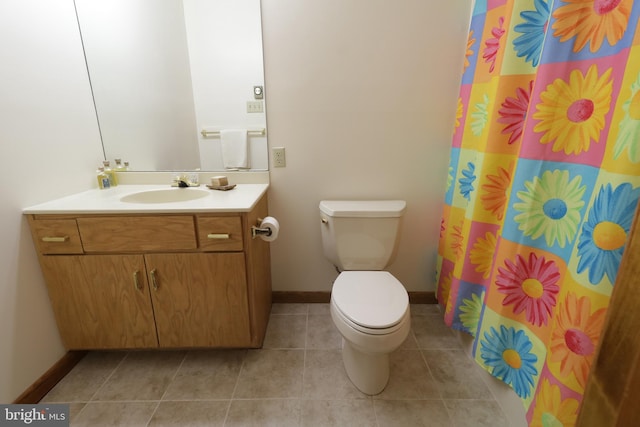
(372, 302)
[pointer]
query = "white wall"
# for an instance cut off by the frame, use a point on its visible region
(49, 147)
(362, 94)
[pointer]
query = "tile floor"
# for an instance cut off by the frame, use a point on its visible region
(296, 379)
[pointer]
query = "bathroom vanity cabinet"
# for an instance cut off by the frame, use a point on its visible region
(149, 280)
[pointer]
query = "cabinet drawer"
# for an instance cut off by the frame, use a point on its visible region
(135, 234)
(56, 236)
(220, 233)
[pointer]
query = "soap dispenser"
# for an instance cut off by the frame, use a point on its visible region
(103, 179)
(113, 180)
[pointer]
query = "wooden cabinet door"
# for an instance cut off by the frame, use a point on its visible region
(199, 300)
(101, 301)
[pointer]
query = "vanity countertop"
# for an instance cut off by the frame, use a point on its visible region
(242, 198)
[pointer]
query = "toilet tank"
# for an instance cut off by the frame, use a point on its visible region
(361, 235)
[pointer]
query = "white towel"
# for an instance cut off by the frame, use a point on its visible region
(234, 148)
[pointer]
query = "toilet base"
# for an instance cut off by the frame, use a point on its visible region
(369, 372)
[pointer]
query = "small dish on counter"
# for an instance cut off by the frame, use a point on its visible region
(222, 187)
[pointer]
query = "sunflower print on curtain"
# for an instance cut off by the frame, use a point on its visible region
(544, 180)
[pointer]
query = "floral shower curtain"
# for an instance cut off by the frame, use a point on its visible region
(544, 180)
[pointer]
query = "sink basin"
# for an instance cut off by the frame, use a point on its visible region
(168, 195)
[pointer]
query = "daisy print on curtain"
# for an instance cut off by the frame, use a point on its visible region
(543, 185)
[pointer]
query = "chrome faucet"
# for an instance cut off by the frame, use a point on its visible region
(185, 180)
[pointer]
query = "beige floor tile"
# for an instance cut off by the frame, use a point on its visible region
(425, 309)
(322, 333)
(75, 408)
(319, 309)
(279, 308)
(325, 377)
(412, 413)
(410, 343)
(264, 413)
(190, 414)
(329, 413)
(409, 377)
(130, 414)
(432, 333)
(476, 413)
(271, 374)
(286, 331)
(143, 375)
(297, 379)
(206, 374)
(86, 377)
(458, 376)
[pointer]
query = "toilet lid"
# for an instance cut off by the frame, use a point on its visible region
(371, 299)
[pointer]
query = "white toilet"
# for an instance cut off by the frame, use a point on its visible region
(369, 306)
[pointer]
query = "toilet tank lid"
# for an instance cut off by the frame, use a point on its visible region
(363, 208)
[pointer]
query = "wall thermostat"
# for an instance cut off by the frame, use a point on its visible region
(258, 92)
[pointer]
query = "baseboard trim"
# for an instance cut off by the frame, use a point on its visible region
(422, 298)
(293, 297)
(49, 379)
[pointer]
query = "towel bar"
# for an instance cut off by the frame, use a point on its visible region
(206, 133)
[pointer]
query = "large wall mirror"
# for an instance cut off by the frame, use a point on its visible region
(162, 71)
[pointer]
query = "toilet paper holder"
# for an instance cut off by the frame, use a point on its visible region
(257, 231)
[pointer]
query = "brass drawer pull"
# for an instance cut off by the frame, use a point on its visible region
(219, 236)
(54, 239)
(136, 282)
(154, 279)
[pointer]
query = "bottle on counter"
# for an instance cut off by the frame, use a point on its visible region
(126, 166)
(103, 179)
(119, 167)
(113, 179)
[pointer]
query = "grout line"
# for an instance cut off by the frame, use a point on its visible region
(175, 374)
(113, 371)
(304, 365)
(79, 412)
(154, 412)
(441, 399)
(449, 415)
(226, 414)
(235, 387)
(424, 359)
(375, 413)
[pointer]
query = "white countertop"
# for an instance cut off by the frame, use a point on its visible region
(240, 199)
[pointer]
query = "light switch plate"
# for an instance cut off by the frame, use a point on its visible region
(255, 107)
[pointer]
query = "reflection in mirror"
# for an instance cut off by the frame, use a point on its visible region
(162, 71)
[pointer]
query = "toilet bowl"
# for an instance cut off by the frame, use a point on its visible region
(370, 309)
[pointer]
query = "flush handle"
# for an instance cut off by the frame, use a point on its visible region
(324, 220)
